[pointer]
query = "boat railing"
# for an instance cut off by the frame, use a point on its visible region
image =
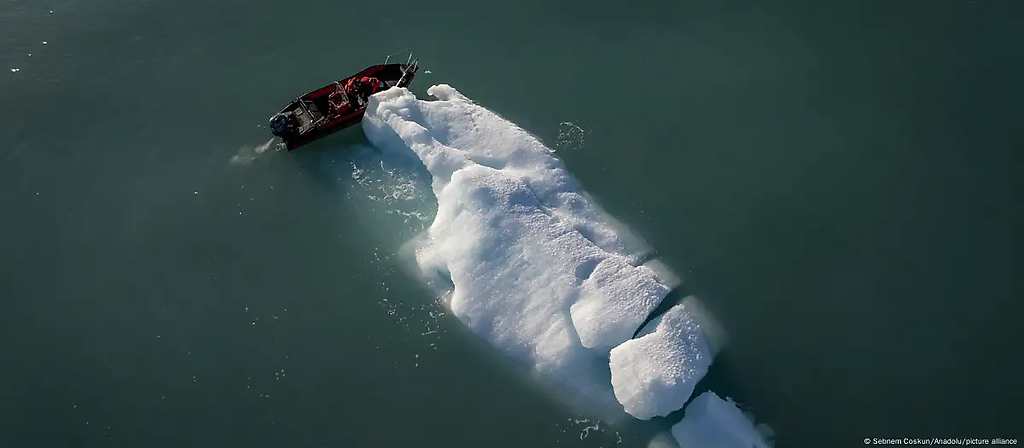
(407, 61)
(302, 104)
(313, 123)
(410, 66)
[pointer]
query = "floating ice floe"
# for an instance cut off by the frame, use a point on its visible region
(530, 263)
(711, 422)
(655, 374)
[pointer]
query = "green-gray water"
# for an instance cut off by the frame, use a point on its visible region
(839, 182)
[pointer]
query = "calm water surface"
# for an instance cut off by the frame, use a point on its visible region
(839, 180)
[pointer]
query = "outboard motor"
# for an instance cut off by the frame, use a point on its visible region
(281, 126)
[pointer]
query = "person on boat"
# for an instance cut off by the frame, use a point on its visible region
(362, 88)
(373, 84)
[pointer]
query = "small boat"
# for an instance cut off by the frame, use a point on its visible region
(338, 105)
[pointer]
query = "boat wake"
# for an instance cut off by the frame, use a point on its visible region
(527, 261)
(248, 153)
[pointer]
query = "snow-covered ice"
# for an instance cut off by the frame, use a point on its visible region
(530, 263)
(711, 422)
(655, 374)
(535, 267)
(614, 301)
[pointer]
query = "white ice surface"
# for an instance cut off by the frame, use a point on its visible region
(610, 301)
(711, 422)
(532, 265)
(535, 267)
(654, 374)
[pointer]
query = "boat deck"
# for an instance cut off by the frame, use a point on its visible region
(306, 121)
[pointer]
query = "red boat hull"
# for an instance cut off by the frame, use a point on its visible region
(400, 75)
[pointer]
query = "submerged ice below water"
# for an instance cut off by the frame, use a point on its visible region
(527, 261)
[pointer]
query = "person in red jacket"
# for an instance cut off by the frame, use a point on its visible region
(362, 88)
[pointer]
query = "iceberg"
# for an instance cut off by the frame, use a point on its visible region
(532, 264)
(529, 263)
(655, 374)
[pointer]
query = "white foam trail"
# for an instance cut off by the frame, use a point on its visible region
(390, 182)
(247, 154)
